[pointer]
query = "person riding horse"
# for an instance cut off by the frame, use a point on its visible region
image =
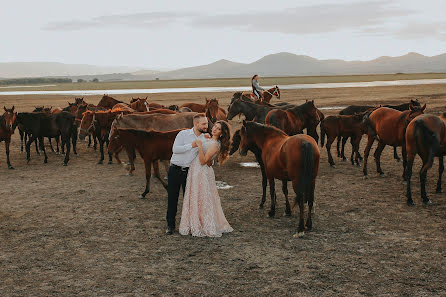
(256, 88)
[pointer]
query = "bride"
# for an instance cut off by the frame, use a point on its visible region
(202, 214)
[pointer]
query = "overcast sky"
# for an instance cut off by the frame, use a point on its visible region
(174, 34)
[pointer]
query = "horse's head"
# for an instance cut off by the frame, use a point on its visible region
(71, 108)
(234, 109)
(246, 136)
(140, 105)
(115, 141)
(10, 119)
(87, 124)
(211, 109)
(237, 95)
(311, 112)
(79, 101)
(414, 111)
(39, 108)
(48, 109)
(276, 92)
(415, 102)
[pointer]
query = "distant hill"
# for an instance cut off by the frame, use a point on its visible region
(287, 64)
(280, 64)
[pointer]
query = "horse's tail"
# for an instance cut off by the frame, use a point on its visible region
(428, 137)
(307, 167)
(322, 134)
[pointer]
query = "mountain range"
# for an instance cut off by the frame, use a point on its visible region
(280, 64)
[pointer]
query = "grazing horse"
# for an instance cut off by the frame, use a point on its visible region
(265, 96)
(139, 104)
(425, 136)
(388, 126)
(293, 120)
(213, 111)
(288, 158)
(7, 126)
(40, 125)
(151, 145)
(108, 102)
(343, 126)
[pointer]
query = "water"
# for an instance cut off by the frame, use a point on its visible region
(250, 164)
(331, 107)
(41, 86)
(227, 89)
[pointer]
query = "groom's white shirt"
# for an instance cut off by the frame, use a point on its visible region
(183, 152)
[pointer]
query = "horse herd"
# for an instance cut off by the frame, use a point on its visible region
(272, 132)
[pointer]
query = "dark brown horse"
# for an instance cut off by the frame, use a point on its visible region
(7, 126)
(388, 126)
(293, 120)
(343, 126)
(252, 111)
(288, 158)
(213, 111)
(108, 102)
(151, 145)
(425, 136)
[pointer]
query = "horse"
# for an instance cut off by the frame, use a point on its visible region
(213, 112)
(79, 101)
(343, 126)
(293, 120)
(151, 145)
(388, 126)
(139, 104)
(288, 158)
(425, 136)
(404, 106)
(124, 106)
(40, 125)
(108, 102)
(265, 96)
(78, 118)
(7, 127)
(355, 109)
(251, 111)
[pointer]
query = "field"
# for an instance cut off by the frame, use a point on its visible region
(225, 82)
(81, 230)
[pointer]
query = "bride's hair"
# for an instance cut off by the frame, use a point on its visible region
(225, 141)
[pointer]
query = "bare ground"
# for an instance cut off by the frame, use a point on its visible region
(81, 230)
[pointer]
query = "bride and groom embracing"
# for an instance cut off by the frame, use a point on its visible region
(194, 152)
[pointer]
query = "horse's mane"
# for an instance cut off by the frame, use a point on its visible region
(148, 133)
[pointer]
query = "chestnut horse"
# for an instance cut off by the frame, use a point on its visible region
(288, 158)
(388, 126)
(108, 102)
(215, 111)
(151, 145)
(7, 126)
(343, 126)
(425, 136)
(139, 104)
(293, 120)
(265, 96)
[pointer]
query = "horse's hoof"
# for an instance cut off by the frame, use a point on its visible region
(427, 202)
(100, 162)
(45, 161)
(129, 174)
(382, 175)
(110, 162)
(333, 165)
(271, 214)
(142, 196)
(64, 164)
(366, 176)
(410, 203)
(299, 234)
(10, 167)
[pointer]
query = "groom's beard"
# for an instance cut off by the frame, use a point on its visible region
(202, 131)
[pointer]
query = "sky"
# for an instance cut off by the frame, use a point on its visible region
(173, 34)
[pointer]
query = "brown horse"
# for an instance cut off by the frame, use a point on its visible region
(151, 145)
(425, 136)
(7, 126)
(293, 120)
(288, 158)
(213, 111)
(123, 106)
(108, 102)
(388, 126)
(343, 126)
(139, 104)
(79, 101)
(265, 96)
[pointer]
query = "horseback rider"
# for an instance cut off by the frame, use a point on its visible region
(256, 88)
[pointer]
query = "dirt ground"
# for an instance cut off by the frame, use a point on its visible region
(81, 230)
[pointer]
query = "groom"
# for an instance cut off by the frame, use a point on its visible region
(184, 152)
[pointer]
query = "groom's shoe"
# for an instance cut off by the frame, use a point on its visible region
(169, 230)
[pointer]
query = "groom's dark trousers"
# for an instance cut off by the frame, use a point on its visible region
(176, 178)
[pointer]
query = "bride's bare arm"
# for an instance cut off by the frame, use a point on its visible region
(205, 158)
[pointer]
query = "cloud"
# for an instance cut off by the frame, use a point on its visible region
(421, 31)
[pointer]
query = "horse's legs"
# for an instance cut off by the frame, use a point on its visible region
(408, 173)
(21, 133)
(330, 140)
(440, 173)
(355, 148)
(67, 153)
(287, 202)
(148, 166)
(338, 143)
(42, 148)
(74, 139)
(395, 155)
(377, 156)
(89, 140)
(131, 156)
(427, 164)
(31, 139)
(7, 142)
(310, 201)
(110, 156)
(156, 171)
(101, 150)
(404, 154)
(301, 228)
(37, 148)
(272, 191)
(344, 141)
(370, 141)
(264, 180)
